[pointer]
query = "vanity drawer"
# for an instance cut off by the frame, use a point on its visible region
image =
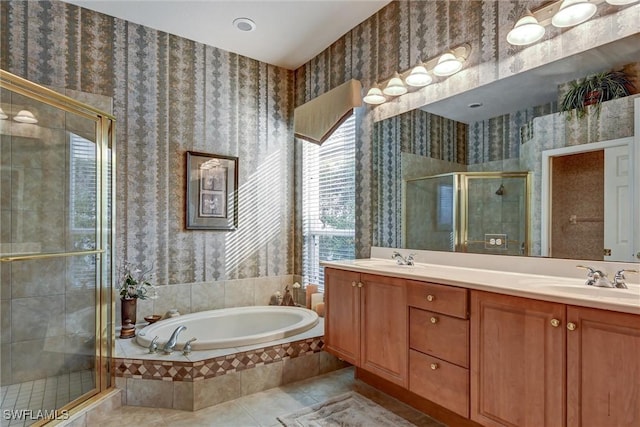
(441, 336)
(438, 298)
(441, 382)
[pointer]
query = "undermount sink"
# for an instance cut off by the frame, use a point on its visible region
(379, 263)
(630, 294)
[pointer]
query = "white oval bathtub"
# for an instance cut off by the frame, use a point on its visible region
(231, 327)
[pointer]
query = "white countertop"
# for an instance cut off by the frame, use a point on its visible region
(547, 288)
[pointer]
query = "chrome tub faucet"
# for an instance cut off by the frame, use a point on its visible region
(171, 344)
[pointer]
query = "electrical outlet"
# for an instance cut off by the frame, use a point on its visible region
(495, 241)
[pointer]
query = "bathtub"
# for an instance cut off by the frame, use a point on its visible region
(231, 327)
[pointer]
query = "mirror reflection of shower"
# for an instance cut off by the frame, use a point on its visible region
(460, 212)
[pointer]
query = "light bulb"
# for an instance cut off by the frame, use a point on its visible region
(573, 12)
(447, 65)
(25, 116)
(418, 77)
(395, 87)
(526, 31)
(374, 96)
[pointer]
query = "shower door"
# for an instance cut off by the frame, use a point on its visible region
(495, 212)
(55, 252)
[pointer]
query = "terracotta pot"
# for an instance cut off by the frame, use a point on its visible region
(128, 310)
(592, 97)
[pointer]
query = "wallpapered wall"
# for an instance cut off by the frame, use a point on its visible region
(171, 95)
(393, 39)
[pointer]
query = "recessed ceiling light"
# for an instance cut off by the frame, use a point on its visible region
(475, 105)
(244, 24)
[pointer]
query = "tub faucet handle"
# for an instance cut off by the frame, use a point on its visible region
(187, 346)
(153, 347)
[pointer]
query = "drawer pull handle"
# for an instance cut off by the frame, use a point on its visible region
(430, 298)
(353, 284)
(360, 284)
(434, 366)
(555, 323)
(434, 320)
(572, 326)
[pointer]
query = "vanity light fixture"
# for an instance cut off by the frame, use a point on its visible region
(395, 87)
(374, 96)
(25, 116)
(573, 12)
(419, 76)
(526, 31)
(3, 116)
(560, 13)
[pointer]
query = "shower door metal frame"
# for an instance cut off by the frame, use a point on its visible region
(464, 205)
(105, 230)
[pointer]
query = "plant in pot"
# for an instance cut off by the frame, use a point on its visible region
(133, 284)
(594, 90)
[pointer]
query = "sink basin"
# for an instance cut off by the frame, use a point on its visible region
(626, 294)
(379, 263)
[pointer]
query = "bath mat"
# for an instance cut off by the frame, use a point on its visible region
(347, 410)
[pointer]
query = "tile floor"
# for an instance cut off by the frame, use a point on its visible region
(44, 394)
(261, 409)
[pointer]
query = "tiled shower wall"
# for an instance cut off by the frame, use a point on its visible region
(398, 34)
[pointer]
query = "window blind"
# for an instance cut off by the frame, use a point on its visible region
(328, 202)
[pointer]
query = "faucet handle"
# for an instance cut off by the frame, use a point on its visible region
(619, 278)
(187, 346)
(590, 270)
(153, 347)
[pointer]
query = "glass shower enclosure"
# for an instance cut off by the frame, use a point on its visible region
(56, 235)
(479, 212)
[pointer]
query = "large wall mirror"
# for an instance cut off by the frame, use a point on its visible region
(498, 170)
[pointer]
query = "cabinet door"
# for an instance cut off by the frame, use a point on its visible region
(603, 368)
(342, 314)
(517, 361)
(385, 342)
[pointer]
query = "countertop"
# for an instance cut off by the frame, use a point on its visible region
(547, 288)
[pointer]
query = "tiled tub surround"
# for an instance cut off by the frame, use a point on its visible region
(208, 377)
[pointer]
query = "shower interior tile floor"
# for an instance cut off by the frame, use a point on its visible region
(43, 394)
(261, 409)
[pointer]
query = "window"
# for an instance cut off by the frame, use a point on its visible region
(328, 202)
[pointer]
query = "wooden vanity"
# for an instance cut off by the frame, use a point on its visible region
(476, 357)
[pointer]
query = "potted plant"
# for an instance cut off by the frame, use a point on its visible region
(133, 284)
(594, 90)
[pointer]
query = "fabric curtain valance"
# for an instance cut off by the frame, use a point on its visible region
(316, 120)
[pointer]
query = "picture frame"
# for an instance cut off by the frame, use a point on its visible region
(212, 192)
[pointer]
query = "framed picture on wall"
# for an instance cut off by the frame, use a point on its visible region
(212, 192)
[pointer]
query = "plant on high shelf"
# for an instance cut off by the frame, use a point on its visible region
(594, 90)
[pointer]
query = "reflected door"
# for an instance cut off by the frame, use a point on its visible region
(617, 225)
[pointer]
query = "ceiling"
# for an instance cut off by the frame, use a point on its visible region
(288, 33)
(537, 86)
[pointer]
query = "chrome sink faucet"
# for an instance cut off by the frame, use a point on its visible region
(171, 344)
(400, 260)
(596, 278)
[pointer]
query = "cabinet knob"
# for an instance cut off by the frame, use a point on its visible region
(430, 298)
(353, 284)
(434, 320)
(555, 323)
(360, 284)
(434, 366)
(572, 326)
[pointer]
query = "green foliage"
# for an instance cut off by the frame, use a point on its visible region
(594, 90)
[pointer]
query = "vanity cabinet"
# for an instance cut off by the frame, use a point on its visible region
(366, 322)
(517, 361)
(439, 345)
(603, 368)
(536, 363)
